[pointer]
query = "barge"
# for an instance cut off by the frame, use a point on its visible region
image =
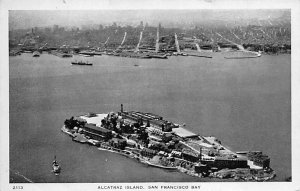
(242, 54)
(81, 63)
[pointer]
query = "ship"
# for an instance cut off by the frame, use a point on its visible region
(55, 167)
(61, 54)
(131, 54)
(81, 63)
(242, 54)
(164, 56)
(202, 54)
(90, 53)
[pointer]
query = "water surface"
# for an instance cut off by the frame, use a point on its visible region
(246, 103)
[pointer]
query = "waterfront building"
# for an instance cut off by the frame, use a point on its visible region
(148, 152)
(150, 119)
(128, 118)
(223, 162)
(153, 116)
(230, 163)
(158, 124)
(137, 115)
(97, 133)
(161, 125)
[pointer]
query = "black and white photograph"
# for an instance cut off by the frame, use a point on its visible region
(149, 98)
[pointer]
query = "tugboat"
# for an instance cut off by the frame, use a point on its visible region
(81, 63)
(55, 166)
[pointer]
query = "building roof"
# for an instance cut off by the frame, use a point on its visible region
(155, 138)
(228, 158)
(157, 122)
(168, 135)
(155, 130)
(117, 140)
(94, 127)
(149, 150)
(131, 142)
(189, 152)
(184, 133)
(154, 115)
(176, 152)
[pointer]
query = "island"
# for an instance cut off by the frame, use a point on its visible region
(154, 141)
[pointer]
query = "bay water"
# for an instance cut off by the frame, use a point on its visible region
(245, 103)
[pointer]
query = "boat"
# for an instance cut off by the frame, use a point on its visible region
(90, 53)
(36, 54)
(164, 56)
(242, 54)
(55, 167)
(61, 54)
(81, 63)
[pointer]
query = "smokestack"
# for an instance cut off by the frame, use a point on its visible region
(122, 108)
(200, 154)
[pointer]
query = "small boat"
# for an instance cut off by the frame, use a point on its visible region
(55, 167)
(81, 63)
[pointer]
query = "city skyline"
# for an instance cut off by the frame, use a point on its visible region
(170, 18)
